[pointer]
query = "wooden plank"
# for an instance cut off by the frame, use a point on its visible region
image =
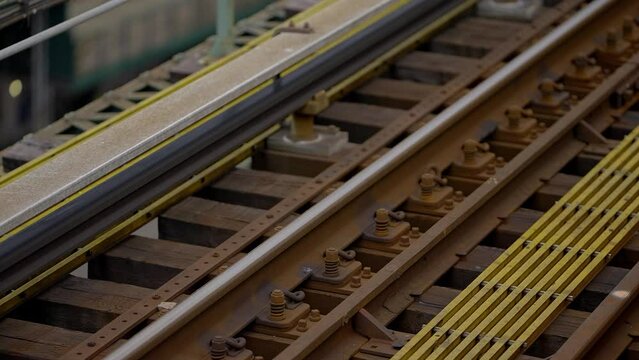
(204, 222)
(144, 262)
(458, 42)
(288, 163)
(470, 266)
(361, 121)
(253, 188)
(393, 93)
(147, 262)
(81, 304)
(552, 191)
(432, 68)
(491, 28)
(431, 302)
(28, 340)
(519, 221)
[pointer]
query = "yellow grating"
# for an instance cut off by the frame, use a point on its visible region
(520, 294)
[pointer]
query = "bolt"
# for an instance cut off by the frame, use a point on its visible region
(382, 221)
(366, 272)
(356, 281)
(223, 268)
(458, 196)
(315, 315)
(302, 325)
(490, 169)
(514, 115)
(470, 148)
(500, 162)
(404, 241)
(414, 233)
(534, 133)
(278, 303)
(427, 185)
(278, 228)
(217, 348)
(331, 262)
(541, 127)
(449, 204)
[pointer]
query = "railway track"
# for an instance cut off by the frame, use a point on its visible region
(461, 136)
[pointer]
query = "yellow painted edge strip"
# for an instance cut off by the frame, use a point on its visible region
(120, 232)
(22, 170)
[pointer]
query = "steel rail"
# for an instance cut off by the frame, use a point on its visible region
(211, 292)
(59, 28)
(598, 322)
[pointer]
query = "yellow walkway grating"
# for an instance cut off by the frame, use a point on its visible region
(511, 302)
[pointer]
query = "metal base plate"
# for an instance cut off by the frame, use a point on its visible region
(520, 10)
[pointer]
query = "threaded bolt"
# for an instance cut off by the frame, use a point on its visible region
(427, 185)
(382, 221)
(331, 262)
(534, 133)
(302, 325)
(278, 303)
(470, 148)
(414, 233)
(217, 348)
(458, 196)
(500, 162)
(514, 115)
(490, 169)
(356, 281)
(449, 204)
(315, 315)
(404, 241)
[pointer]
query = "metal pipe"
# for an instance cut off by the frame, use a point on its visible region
(212, 291)
(223, 43)
(59, 28)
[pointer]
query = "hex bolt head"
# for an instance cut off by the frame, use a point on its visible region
(458, 196)
(490, 169)
(500, 162)
(356, 281)
(414, 233)
(449, 204)
(315, 315)
(366, 272)
(404, 241)
(302, 325)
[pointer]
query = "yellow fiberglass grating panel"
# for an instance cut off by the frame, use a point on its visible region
(511, 302)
